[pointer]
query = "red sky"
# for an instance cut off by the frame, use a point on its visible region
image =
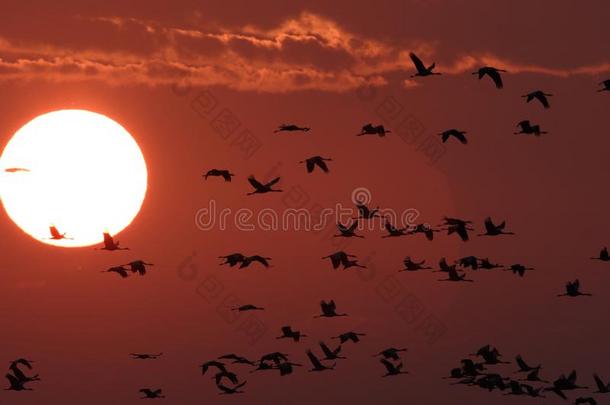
(269, 62)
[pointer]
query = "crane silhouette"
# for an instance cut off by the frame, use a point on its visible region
(152, 394)
(231, 390)
(331, 354)
(16, 384)
(260, 188)
(422, 70)
(493, 73)
(602, 387)
(519, 269)
(219, 376)
(138, 266)
(603, 255)
(329, 310)
(364, 212)
(390, 353)
(120, 270)
(314, 161)
(288, 333)
(468, 262)
(247, 307)
(605, 86)
(232, 259)
(348, 231)
(523, 366)
(528, 129)
(342, 259)
(458, 227)
(487, 265)
(411, 265)
(573, 290)
(316, 363)
(225, 174)
(56, 235)
(110, 244)
(534, 375)
(291, 128)
(145, 356)
(538, 95)
(453, 275)
(370, 129)
(220, 366)
(492, 229)
(349, 336)
(255, 258)
(459, 135)
(392, 369)
(424, 229)
(393, 231)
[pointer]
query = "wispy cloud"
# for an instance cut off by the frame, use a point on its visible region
(307, 52)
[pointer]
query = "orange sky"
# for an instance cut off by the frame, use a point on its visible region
(150, 67)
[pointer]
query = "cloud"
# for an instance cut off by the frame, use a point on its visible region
(306, 52)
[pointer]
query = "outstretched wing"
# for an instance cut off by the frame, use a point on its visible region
(272, 182)
(419, 65)
(313, 359)
(255, 183)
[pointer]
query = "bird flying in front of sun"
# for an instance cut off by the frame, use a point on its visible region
(68, 176)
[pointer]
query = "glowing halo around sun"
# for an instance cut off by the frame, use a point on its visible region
(76, 170)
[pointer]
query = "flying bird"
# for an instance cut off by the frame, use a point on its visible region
(348, 231)
(492, 229)
(225, 374)
(425, 229)
(390, 353)
(459, 135)
(328, 310)
(255, 258)
(331, 354)
(519, 269)
(288, 333)
(110, 244)
(232, 259)
(364, 212)
(422, 70)
(602, 387)
(120, 270)
(349, 336)
(573, 289)
(231, 390)
(260, 188)
(16, 384)
(316, 363)
(528, 129)
(314, 161)
(393, 231)
(453, 275)
(152, 394)
(291, 128)
(56, 235)
(342, 259)
(411, 265)
(225, 174)
(145, 356)
(138, 266)
(538, 95)
(493, 73)
(212, 363)
(369, 129)
(392, 369)
(247, 307)
(523, 366)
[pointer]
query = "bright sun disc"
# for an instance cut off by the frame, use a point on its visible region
(76, 170)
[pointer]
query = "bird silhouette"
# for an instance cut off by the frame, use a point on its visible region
(260, 188)
(564, 383)
(138, 266)
(369, 129)
(453, 275)
(342, 259)
(532, 391)
(291, 128)
(515, 388)
(247, 307)
(348, 231)
(411, 265)
(457, 226)
(212, 363)
(314, 161)
(519, 269)
(120, 270)
(468, 262)
(444, 267)
(225, 174)
(390, 353)
(422, 70)
(331, 354)
(459, 135)
(534, 375)
(221, 375)
(523, 366)
(16, 384)
(487, 265)
(602, 387)
(236, 359)
(349, 336)
(605, 86)
(424, 229)
(493, 73)
(492, 229)
(56, 235)
(573, 290)
(316, 363)
(232, 259)
(528, 129)
(152, 394)
(392, 369)
(329, 310)
(231, 390)
(603, 255)
(110, 244)
(255, 258)
(393, 231)
(145, 356)
(286, 368)
(364, 212)
(538, 95)
(288, 333)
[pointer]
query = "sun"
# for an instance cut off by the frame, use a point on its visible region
(76, 171)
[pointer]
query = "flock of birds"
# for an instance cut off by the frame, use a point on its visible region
(470, 373)
(477, 373)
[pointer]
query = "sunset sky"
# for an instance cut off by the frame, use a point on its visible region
(203, 84)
